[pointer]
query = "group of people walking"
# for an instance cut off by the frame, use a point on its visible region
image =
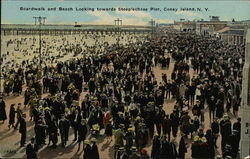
(126, 99)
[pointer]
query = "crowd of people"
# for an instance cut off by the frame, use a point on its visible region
(124, 97)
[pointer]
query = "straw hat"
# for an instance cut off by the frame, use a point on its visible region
(156, 134)
(93, 139)
(121, 125)
(133, 148)
(130, 129)
(225, 116)
(196, 138)
(86, 141)
(203, 139)
(46, 108)
(137, 118)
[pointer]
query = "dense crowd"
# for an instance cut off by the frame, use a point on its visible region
(124, 98)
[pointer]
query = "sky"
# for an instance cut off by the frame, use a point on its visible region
(226, 10)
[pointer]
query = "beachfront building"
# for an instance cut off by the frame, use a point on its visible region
(245, 108)
(234, 36)
(187, 26)
(235, 32)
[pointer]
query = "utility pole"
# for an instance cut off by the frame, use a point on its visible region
(152, 23)
(35, 19)
(41, 21)
(118, 23)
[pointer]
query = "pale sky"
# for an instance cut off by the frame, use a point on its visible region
(226, 10)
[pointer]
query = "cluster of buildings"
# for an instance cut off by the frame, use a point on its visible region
(233, 32)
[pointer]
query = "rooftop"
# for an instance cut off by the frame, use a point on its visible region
(235, 32)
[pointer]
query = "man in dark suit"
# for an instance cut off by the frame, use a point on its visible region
(23, 130)
(64, 130)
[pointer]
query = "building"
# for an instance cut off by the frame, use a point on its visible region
(235, 32)
(187, 26)
(234, 36)
(245, 105)
(209, 28)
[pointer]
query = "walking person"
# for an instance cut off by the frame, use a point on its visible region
(3, 115)
(82, 132)
(12, 116)
(22, 130)
(87, 150)
(182, 148)
(108, 131)
(53, 133)
(19, 112)
(155, 153)
(166, 126)
(211, 106)
(94, 149)
(64, 130)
